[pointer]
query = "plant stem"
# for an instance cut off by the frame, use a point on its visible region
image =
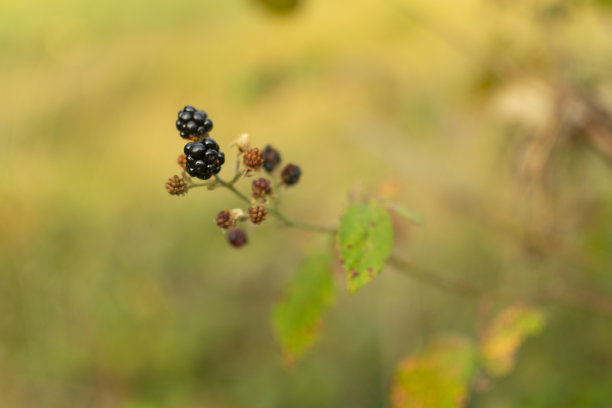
(432, 278)
(230, 186)
(301, 225)
(282, 217)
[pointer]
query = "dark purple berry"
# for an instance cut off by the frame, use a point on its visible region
(237, 237)
(271, 158)
(291, 174)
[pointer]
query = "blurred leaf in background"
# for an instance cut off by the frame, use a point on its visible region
(505, 334)
(437, 377)
(298, 317)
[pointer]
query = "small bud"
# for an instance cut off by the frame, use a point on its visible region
(242, 143)
(176, 186)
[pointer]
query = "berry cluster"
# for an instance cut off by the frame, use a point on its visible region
(193, 122)
(202, 159)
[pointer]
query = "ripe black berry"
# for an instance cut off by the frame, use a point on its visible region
(203, 158)
(271, 158)
(237, 237)
(193, 122)
(291, 174)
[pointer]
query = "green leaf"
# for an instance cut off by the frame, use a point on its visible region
(438, 377)
(503, 337)
(298, 316)
(364, 240)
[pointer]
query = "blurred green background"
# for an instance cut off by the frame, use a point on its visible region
(115, 294)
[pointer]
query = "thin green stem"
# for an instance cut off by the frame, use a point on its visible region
(300, 225)
(230, 186)
(193, 185)
(432, 278)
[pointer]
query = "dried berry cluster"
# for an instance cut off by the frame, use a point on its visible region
(203, 159)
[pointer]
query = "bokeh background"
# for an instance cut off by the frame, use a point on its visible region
(472, 113)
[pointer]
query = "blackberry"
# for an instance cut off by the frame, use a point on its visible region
(193, 122)
(253, 159)
(176, 186)
(237, 237)
(271, 158)
(224, 219)
(261, 187)
(291, 174)
(257, 214)
(203, 158)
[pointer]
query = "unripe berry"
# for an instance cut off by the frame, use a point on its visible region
(176, 186)
(257, 214)
(261, 187)
(224, 219)
(253, 159)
